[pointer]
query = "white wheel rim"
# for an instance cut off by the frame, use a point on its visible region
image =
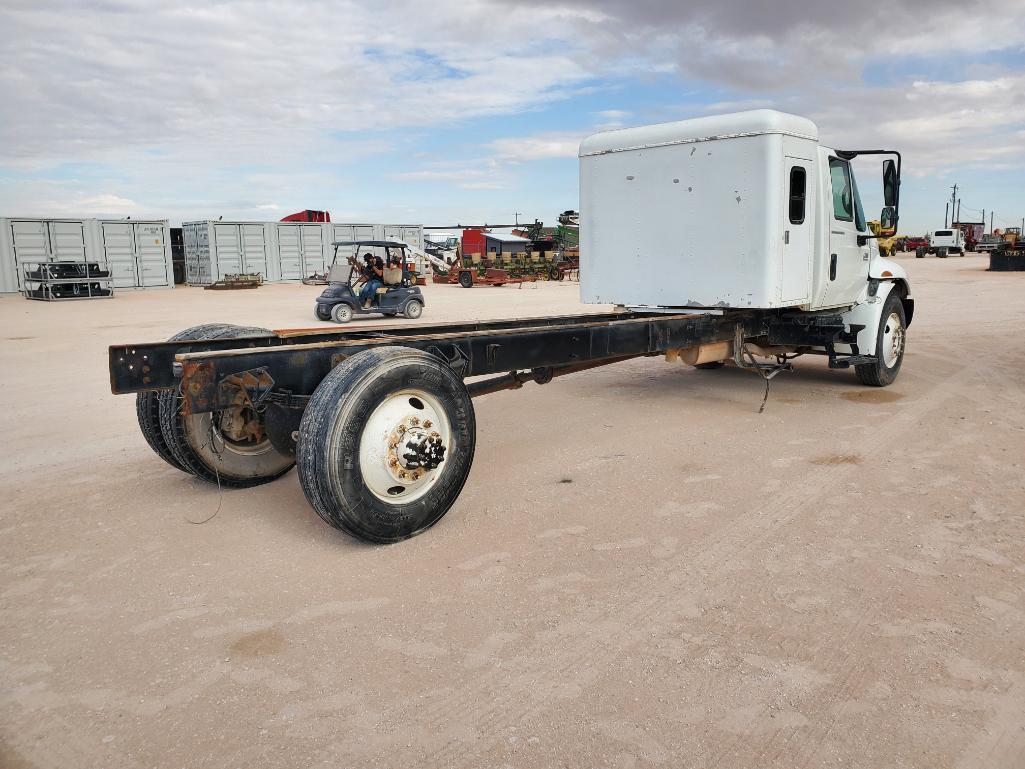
(404, 416)
(893, 340)
(414, 310)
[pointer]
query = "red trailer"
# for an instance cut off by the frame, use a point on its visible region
(308, 215)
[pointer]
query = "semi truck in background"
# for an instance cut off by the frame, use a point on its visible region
(381, 422)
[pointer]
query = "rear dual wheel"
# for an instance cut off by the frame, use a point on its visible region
(386, 444)
(229, 447)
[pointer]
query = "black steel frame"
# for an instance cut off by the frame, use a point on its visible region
(289, 365)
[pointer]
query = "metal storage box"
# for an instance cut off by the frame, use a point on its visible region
(716, 186)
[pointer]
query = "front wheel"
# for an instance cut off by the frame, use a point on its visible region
(465, 280)
(386, 443)
(891, 339)
(341, 313)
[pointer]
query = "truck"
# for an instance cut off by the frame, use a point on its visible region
(774, 260)
(942, 243)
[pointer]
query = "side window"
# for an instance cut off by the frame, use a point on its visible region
(798, 187)
(843, 198)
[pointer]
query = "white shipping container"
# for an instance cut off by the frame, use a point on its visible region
(214, 249)
(691, 214)
(138, 253)
(280, 251)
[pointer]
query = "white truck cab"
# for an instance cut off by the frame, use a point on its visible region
(740, 211)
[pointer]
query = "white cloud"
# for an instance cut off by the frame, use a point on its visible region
(538, 147)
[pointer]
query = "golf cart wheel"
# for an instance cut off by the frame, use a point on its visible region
(413, 309)
(341, 313)
(229, 447)
(466, 279)
(321, 312)
(147, 404)
(891, 340)
(386, 443)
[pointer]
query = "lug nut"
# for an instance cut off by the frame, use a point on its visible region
(414, 421)
(427, 424)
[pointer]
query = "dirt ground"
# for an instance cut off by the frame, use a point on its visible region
(641, 570)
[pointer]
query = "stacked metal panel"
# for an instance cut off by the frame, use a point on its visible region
(137, 252)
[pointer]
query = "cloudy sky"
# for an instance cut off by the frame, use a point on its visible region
(471, 110)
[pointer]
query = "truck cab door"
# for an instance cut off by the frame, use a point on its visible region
(846, 268)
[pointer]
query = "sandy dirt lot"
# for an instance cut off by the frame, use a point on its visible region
(641, 571)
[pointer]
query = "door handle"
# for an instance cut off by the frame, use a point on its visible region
(786, 237)
(832, 266)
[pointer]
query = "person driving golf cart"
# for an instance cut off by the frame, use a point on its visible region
(366, 284)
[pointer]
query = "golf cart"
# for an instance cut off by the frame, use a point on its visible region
(340, 300)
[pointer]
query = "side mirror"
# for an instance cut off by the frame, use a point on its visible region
(891, 184)
(888, 221)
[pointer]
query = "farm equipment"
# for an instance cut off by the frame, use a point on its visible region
(380, 422)
(887, 245)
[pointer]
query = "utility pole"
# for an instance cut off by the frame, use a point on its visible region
(959, 210)
(517, 217)
(984, 221)
(953, 202)
(946, 210)
(990, 222)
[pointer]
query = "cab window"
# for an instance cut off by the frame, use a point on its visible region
(798, 186)
(843, 197)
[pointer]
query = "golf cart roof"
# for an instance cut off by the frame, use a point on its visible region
(381, 243)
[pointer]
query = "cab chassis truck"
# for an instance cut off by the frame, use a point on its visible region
(380, 420)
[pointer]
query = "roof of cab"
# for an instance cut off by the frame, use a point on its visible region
(750, 123)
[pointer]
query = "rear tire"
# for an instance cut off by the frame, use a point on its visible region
(348, 441)
(201, 448)
(710, 365)
(466, 280)
(413, 309)
(321, 313)
(919, 253)
(891, 339)
(941, 253)
(147, 404)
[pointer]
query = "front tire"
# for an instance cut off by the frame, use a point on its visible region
(891, 340)
(466, 280)
(341, 313)
(354, 451)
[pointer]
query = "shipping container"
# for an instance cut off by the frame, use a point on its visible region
(280, 251)
(137, 252)
(214, 249)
